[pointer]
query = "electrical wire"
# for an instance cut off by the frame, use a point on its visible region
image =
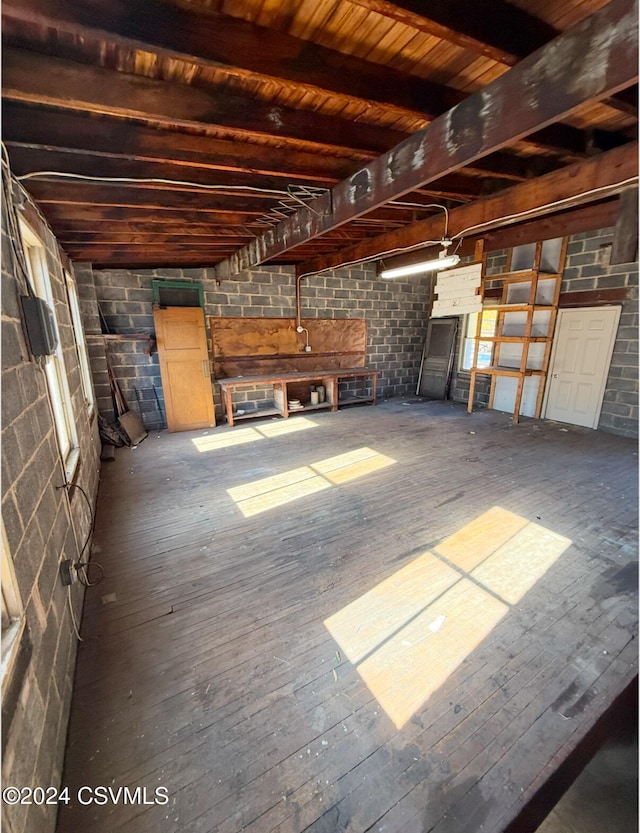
(13, 223)
(154, 180)
(378, 256)
(613, 189)
(532, 212)
(73, 617)
(82, 567)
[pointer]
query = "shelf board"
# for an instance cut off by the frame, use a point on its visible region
(497, 370)
(519, 307)
(354, 400)
(520, 275)
(516, 339)
(257, 412)
(319, 407)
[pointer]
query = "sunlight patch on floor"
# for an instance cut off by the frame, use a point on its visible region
(410, 632)
(239, 436)
(216, 441)
(269, 492)
(345, 467)
(376, 616)
(406, 669)
(520, 562)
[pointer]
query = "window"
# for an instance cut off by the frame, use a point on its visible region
(177, 293)
(57, 384)
(81, 346)
(485, 348)
(12, 619)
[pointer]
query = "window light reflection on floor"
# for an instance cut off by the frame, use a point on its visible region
(239, 436)
(409, 633)
(269, 492)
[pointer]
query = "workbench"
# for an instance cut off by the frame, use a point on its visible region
(300, 381)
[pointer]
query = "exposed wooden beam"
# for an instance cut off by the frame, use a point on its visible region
(244, 48)
(124, 231)
(593, 297)
(32, 77)
(26, 159)
(572, 143)
(161, 199)
(48, 127)
(97, 214)
(494, 28)
(71, 213)
(151, 241)
(564, 223)
(626, 101)
(128, 226)
(573, 186)
(590, 61)
(102, 252)
(138, 260)
(59, 83)
(143, 238)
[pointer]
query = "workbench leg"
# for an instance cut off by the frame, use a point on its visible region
(334, 393)
(228, 406)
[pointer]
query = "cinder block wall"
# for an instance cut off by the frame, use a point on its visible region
(43, 524)
(587, 268)
(396, 314)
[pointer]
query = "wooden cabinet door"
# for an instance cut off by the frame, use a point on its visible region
(184, 368)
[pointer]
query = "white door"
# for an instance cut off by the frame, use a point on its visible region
(582, 348)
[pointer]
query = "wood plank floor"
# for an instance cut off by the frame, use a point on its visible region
(207, 668)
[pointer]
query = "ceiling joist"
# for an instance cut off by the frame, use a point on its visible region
(603, 176)
(218, 123)
(590, 61)
(244, 48)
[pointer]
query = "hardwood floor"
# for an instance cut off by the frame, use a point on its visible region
(207, 668)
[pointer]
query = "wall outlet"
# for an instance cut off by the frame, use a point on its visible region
(67, 572)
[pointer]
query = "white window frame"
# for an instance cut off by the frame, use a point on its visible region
(81, 344)
(54, 367)
(468, 338)
(12, 611)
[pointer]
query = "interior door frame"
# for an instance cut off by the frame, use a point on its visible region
(547, 388)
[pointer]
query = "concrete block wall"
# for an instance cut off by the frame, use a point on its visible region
(396, 314)
(587, 267)
(42, 525)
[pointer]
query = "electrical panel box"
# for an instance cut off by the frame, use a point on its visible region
(40, 325)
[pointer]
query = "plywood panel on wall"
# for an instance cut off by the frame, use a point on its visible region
(247, 346)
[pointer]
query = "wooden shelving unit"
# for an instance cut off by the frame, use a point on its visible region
(526, 316)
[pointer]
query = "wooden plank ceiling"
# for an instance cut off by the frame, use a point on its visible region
(181, 133)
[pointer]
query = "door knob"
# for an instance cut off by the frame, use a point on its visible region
(555, 375)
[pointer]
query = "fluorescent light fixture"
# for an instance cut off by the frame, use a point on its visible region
(417, 268)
